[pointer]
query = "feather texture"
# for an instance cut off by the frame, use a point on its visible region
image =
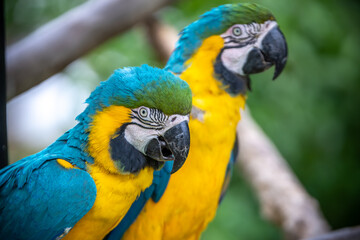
(75, 189)
(39, 198)
(192, 195)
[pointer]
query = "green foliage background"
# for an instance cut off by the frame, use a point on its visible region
(311, 112)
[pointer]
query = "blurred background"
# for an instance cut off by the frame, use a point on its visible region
(311, 112)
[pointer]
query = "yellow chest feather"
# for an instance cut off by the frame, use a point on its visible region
(115, 194)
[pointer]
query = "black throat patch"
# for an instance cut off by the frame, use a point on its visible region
(126, 157)
(233, 83)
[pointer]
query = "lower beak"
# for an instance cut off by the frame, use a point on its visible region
(173, 145)
(273, 51)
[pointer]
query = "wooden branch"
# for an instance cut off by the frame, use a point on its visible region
(349, 233)
(282, 198)
(52, 47)
(161, 37)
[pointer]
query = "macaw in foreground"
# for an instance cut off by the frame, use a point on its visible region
(82, 185)
(215, 55)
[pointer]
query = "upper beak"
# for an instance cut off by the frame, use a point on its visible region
(173, 145)
(273, 51)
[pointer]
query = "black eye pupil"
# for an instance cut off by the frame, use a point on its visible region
(236, 31)
(143, 112)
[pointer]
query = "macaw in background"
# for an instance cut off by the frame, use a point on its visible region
(82, 185)
(215, 56)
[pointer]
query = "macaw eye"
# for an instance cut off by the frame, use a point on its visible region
(143, 112)
(236, 31)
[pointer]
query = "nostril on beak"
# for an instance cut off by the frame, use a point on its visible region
(173, 119)
(165, 151)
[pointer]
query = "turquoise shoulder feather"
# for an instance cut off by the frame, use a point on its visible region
(40, 199)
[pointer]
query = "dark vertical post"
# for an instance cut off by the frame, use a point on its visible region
(3, 129)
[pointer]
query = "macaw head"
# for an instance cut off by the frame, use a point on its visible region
(138, 118)
(250, 39)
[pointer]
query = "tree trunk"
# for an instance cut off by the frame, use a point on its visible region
(55, 45)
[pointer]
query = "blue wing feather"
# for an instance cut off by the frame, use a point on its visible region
(229, 169)
(39, 199)
(155, 191)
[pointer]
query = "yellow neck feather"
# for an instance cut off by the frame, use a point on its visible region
(200, 71)
(200, 76)
(103, 127)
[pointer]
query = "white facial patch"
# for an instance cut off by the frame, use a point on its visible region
(240, 39)
(148, 123)
(234, 58)
(139, 137)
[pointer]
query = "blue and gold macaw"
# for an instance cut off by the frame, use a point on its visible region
(82, 185)
(215, 55)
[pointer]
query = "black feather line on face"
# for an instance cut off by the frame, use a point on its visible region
(233, 83)
(242, 41)
(147, 124)
(126, 157)
(157, 127)
(155, 119)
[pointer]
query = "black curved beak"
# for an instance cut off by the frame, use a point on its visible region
(173, 145)
(273, 51)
